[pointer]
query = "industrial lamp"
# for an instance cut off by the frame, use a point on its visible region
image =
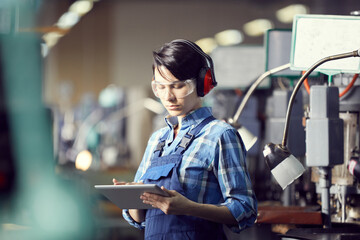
(248, 138)
(283, 165)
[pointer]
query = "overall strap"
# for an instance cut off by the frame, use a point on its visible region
(160, 145)
(189, 136)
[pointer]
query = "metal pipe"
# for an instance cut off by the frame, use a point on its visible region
(324, 184)
(253, 87)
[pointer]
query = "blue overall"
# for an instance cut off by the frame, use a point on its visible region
(163, 171)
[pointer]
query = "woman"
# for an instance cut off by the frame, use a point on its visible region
(198, 160)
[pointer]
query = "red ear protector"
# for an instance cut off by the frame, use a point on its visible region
(206, 78)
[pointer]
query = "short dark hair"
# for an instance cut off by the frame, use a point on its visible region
(182, 60)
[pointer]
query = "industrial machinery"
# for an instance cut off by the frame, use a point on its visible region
(344, 189)
(332, 125)
(321, 124)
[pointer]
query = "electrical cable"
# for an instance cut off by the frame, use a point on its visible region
(281, 84)
(348, 87)
(306, 83)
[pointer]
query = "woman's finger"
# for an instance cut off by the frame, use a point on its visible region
(135, 183)
(169, 192)
(116, 182)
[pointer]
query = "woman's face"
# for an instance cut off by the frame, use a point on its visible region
(176, 106)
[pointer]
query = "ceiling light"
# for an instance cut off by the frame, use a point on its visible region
(287, 14)
(51, 38)
(81, 7)
(207, 44)
(67, 20)
(257, 27)
(229, 37)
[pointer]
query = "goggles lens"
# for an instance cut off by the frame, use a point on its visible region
(179, 89)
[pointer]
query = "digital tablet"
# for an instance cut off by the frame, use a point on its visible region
(128, 196)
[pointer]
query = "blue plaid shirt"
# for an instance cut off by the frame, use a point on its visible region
(213, 169)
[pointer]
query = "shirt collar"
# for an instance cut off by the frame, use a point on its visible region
(193, 118)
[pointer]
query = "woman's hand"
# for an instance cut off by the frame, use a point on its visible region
(176, 204)
(116, 182)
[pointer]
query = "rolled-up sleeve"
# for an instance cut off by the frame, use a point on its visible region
(235, 181)
(131, 221)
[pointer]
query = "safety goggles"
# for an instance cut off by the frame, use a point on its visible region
(179, 89)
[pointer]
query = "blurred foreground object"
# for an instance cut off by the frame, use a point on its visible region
(43, 206)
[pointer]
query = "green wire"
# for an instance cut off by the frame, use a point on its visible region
(330, 79)
(291, 83)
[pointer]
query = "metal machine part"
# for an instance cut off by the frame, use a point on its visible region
(324, 140)
(345, 185)
(324, 128)
(344, 191)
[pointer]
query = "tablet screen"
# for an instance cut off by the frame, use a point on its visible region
(128, 196)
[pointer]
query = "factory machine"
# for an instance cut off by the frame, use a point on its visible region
(312, 116)
(344, 187)
(324, 122)
(332, 116)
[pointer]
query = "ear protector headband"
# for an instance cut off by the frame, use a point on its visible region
(206, 77)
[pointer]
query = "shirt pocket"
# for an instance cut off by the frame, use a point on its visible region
(155, 173)
(194, 172)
